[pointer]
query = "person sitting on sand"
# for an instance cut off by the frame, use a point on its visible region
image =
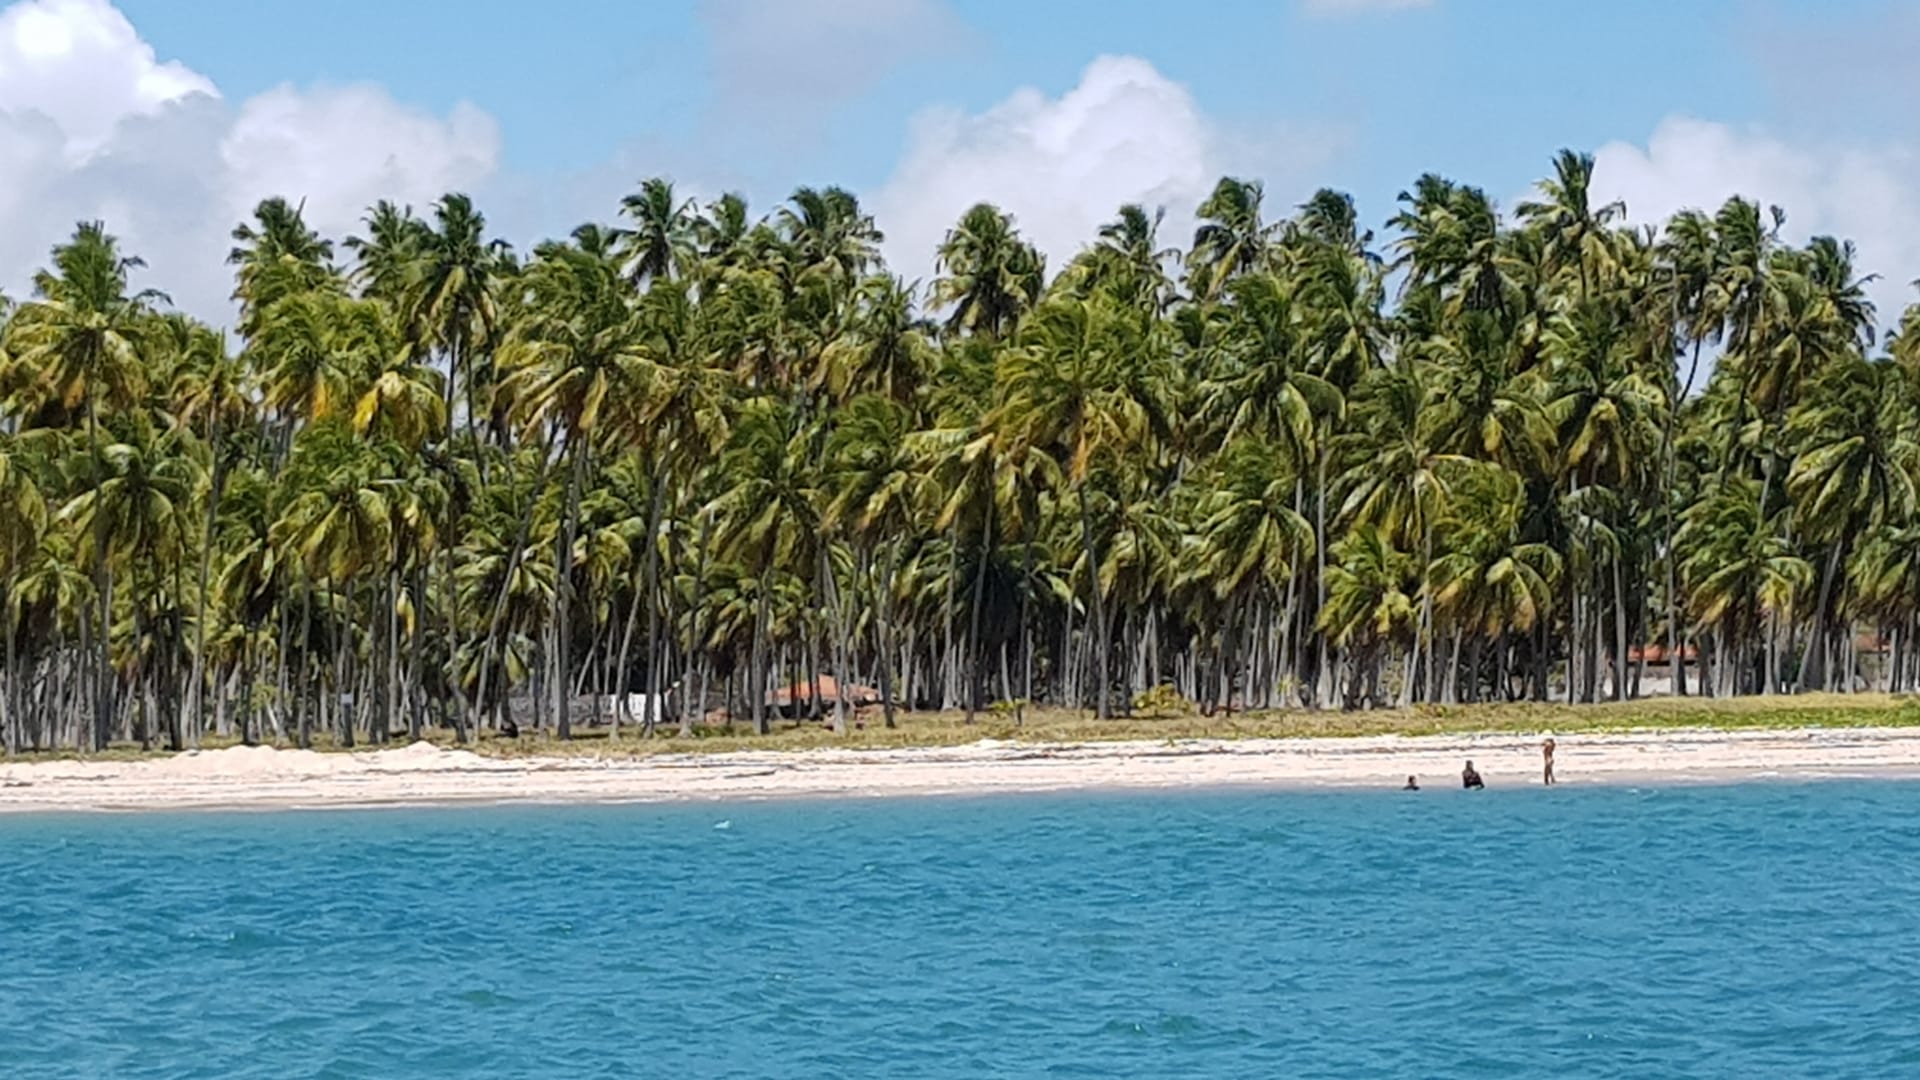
(1413, 784)
(1546, 751)
(1470, 778)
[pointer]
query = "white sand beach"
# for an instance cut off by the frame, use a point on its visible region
(264, 778)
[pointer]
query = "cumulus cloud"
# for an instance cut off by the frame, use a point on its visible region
(340, 149)
(79, 65)
(1358, 7)
(1062, 166)
(1857, 192)
(94, 125)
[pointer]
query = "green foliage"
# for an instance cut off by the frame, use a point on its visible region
(703, 454)
(1162, 700)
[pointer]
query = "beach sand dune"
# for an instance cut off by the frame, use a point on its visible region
(258, 777)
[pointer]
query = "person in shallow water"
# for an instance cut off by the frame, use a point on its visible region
(1546, 752)
(1470, 778)
(1413, 784)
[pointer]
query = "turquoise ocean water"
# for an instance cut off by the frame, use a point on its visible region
(1762, 930)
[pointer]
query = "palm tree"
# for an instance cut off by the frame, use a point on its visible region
(1576, 232)
(1232, 239)
(1884, 575)
(277, 257)
(1127, 261)
(1371, 586)
(1083, 387)
(1739, 570)
(1250, 541)
(830, 234)
(660, 242)
(1854, 473)
(768, 511)
(887, 348)
(1399, 480)
(1490, 580)
(878, 486)
(1268, 475)
(76, 346)
(137, 513)
(565, 367)
(23, 525)
(210, 393)
(453, 304)
(1261, 385)
(388, 262)
(989, 276)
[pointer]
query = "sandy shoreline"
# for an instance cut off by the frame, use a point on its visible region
(261, 778)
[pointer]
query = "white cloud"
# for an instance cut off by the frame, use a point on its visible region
(93, 125)
(341, 149)
(1359, 7)
(1062, 166)
(80, 65)
(1856, 192)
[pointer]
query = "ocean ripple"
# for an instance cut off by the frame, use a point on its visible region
(1732, 931)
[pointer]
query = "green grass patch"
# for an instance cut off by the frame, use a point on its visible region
(1054, 725)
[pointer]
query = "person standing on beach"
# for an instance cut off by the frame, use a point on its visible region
(1470, 778)
(1546, 752)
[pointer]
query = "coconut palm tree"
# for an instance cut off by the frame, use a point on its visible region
(563, 368)
(659, 244)
(1371, 586)
(768, 508)
(1250, 542)
(989, 276)
(1854, 473)
(453, 303)
(1231, 239)
(1578, 240)
(1083, 386)
(76, 348)
(388, 262)
(277, 256)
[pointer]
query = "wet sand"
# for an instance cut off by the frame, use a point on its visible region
(262, 778)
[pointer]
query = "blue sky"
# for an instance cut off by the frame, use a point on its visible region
(548, 111)
(1483, 89)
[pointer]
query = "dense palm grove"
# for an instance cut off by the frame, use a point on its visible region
(430, 482)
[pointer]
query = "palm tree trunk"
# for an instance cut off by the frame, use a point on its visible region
(1619, 633)
(103, 590)
(1099, 626)
(1813, 658)
(695, 645)
(392, 703)
(1423, 635)
(841, 644)
(416, 694)
(498, 617)
(306, 644)
(987, 538)
(622, 679)
(946, 647)
(757, 676)
(1320, 557)
(11, 700)
(194, 686)
(656, 649)
(886, 634)
(455, 708)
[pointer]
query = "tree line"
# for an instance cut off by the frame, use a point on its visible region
(427, 481)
